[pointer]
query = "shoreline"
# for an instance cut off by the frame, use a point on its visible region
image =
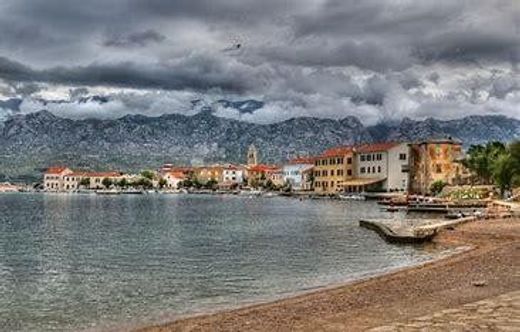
(366, 300)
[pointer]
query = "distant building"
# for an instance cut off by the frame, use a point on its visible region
(207, 173)
(233, 174)
(332, 168)
(380, 167)
(434, 160)
(53, 178)
(298, 173)
(173, 179)
(259, 174)
(252, 156)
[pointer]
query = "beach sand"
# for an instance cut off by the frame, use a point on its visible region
(489, 269)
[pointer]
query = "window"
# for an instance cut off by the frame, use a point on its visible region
(332, 183)
(402, 156)
(379, 156)
(379, 169)
(362, 157)
(324, 162)
(362, 170)
(368, 169)
(349, 172)
(324, 173)
(331, 172)
(438, 168)
(332, 161)
(317, 163)
(369, 157)
(349, 160)
(340, 161)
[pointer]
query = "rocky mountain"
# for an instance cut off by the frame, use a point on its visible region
(29, 143)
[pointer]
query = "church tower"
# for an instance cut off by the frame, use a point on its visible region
(252, 156)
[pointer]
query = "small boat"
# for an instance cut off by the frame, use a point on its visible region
(352, 197)
(132, 192)
(108, 192)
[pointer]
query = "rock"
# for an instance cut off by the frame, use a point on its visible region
(479, 283)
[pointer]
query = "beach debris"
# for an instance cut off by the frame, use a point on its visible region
(479, 283)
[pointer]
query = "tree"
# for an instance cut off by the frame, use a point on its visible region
(504, 172)
(85, 182)
(481, 158)
(123, 183)
(211, 184)
(107, 182)
(437, 186)
(162, 183)
(148, 174)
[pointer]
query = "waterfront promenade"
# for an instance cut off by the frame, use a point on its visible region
(489, 272)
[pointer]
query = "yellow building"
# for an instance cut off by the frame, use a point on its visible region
(435, 160)
(207, 173)
(332, 168)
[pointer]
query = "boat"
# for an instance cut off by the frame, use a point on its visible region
(352, 197)
(246, 192)
(108, 192)
(132, 192)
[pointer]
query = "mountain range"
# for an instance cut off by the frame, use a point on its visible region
(31, 142)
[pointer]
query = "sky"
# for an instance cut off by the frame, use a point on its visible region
(377, 60)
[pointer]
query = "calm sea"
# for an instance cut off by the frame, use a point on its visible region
(75, 262)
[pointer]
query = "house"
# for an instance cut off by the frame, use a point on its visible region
(298, 173)
(434, 160)
(332, 168)
(259, 174)
(380, 167)
(53, 178)
(96, 178)
(233, 174)
(207, 173)
(173, 179)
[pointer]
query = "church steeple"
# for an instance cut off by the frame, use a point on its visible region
(252, 156)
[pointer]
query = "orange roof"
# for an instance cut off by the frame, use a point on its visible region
(55, 170)
(302, 160)
(263, 168)
(176, 174)
(77, 174)
(376, 147)
(337, 151)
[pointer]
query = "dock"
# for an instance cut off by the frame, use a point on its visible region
(421, 231)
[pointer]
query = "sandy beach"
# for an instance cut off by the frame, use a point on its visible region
(489, 269)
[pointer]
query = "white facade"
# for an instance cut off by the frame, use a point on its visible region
(173, 179)
(297, 175)
(232, 175)
(389, 164)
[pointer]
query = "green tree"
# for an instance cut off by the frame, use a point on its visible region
(162, 183)
(481, 158)
(148, 174)
(211, 184)
(437, 186)
(504, 172)
(107, 182)
(123, 183)
(85, 182)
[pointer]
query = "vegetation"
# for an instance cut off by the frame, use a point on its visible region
(495, 163)
(437, 187)
(148, 175)
(85, 182)
(107, 182)
(123, 183)
(162, 183)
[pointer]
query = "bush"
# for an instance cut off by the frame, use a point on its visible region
(437, 187)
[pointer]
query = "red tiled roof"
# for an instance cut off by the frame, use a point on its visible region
(302, 160)
(263, 168)
(55, 170)
(337, 151)
(376, 147)
(176, 174)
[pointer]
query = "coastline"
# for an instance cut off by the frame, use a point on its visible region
(385, 298)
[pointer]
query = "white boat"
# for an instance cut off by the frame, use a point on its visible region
(108, 192)
(352, 197)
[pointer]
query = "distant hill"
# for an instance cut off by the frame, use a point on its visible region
(28, 143)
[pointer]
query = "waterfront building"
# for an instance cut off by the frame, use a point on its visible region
(380, 167)
(233, 174)
(435, 160)
(259, 174)
(207, 173)
(53, 178)
(298, 173)
(173, 179)
(332, 168)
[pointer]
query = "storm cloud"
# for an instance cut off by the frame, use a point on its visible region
(326, 58)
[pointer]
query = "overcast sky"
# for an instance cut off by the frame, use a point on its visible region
(378, 60)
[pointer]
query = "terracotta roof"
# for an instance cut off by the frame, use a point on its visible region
(77, 174)
(55, 170)
(176, 174)
(337, 151)
(263, 168)
(376, 147)
(302, 160)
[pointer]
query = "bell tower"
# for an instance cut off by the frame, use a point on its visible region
(252, 156)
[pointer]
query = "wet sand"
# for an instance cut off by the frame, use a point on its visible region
(490, 268)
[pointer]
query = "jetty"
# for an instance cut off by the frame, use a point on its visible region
(414, 231)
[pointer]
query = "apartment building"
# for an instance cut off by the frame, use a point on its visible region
(332, 168)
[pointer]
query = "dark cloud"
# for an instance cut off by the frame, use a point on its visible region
(371, 58)
(136, 39)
